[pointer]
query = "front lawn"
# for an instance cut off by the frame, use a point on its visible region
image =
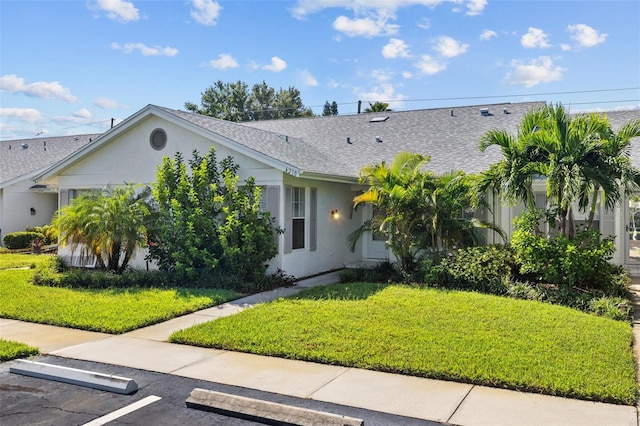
(11, 350)
(451, 335)
(104, 310)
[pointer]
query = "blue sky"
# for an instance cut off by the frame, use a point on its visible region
(68, 67)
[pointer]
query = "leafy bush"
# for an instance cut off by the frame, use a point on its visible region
(382, 272)
(208, 228)
(57, 274)
(50, 233)
(615, 308)
(21, 240)
(523, 290)
(484, 268)
(582, 261)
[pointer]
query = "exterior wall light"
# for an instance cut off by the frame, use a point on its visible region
(335, 214)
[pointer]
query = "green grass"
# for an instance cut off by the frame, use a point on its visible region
(104, 310)
(451, 335)
(12, 261)
(11, 350)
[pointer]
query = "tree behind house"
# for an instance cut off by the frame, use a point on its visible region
(236, 102)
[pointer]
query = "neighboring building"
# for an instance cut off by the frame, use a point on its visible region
(24, 203)
(308, 167)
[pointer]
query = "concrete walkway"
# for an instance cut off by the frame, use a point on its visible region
(441, 401)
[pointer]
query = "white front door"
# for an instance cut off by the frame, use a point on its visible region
(375, 242)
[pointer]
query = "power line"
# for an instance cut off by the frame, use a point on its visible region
(518, 95)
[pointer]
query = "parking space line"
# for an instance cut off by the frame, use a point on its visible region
(123, 411)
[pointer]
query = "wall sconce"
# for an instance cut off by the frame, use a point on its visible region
(335, 214)
(33, 211)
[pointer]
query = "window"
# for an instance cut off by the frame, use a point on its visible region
(297, 216)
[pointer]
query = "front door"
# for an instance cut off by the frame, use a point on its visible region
(633, 229)
(375, 247)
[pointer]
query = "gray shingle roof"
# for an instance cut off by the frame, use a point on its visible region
(288, 149)
(449, 135)
(23, 156)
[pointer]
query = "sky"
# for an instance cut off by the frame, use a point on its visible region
(70, 67)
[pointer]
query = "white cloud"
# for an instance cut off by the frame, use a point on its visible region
(429, 65)
(475, 7)
(535, 37)
(449, 47)
(424, 23)
(82, 113)
(396, 48)
(276, 65)
(585, 35)
(82, 116)
(308, 79)
(27, 115)
(106, 103)
(488, 35)
(565, 47)
(382, 93)
(224, 61)
(407, 74)
(205, 12)
(537, 71)
(118, 10)
(145, 50)
(381, 76)
(365, 27)
(40, 89)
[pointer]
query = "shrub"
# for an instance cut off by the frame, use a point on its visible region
(207, 226)
(583, 261)
(484, 268)
(382, 272)
(527, 291)
(615, 308)
(20, 240)
(50, 233)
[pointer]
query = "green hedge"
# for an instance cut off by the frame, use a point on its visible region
(21, 240)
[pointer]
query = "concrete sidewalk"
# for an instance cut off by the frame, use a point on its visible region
(441, 401)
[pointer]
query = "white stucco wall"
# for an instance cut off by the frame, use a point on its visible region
(332, 251)
(16, 203)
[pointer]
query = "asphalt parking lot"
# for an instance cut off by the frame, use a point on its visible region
(160, 400)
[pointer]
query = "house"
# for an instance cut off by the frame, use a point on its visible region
(308, 168)
(24, 203)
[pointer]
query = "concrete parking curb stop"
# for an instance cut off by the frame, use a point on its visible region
(74, 376)
(264, 411)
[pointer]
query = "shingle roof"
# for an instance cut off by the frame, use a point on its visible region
(23, 156)
(288, 149)
(319, 144)
(449, 135)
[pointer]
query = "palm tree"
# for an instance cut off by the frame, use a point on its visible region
(393, 190)
(580, 157)
(615, 175)
(377, 107)
(422, 213)
(445, 213)
(108, 224)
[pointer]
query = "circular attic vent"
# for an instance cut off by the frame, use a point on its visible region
(158, 139)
